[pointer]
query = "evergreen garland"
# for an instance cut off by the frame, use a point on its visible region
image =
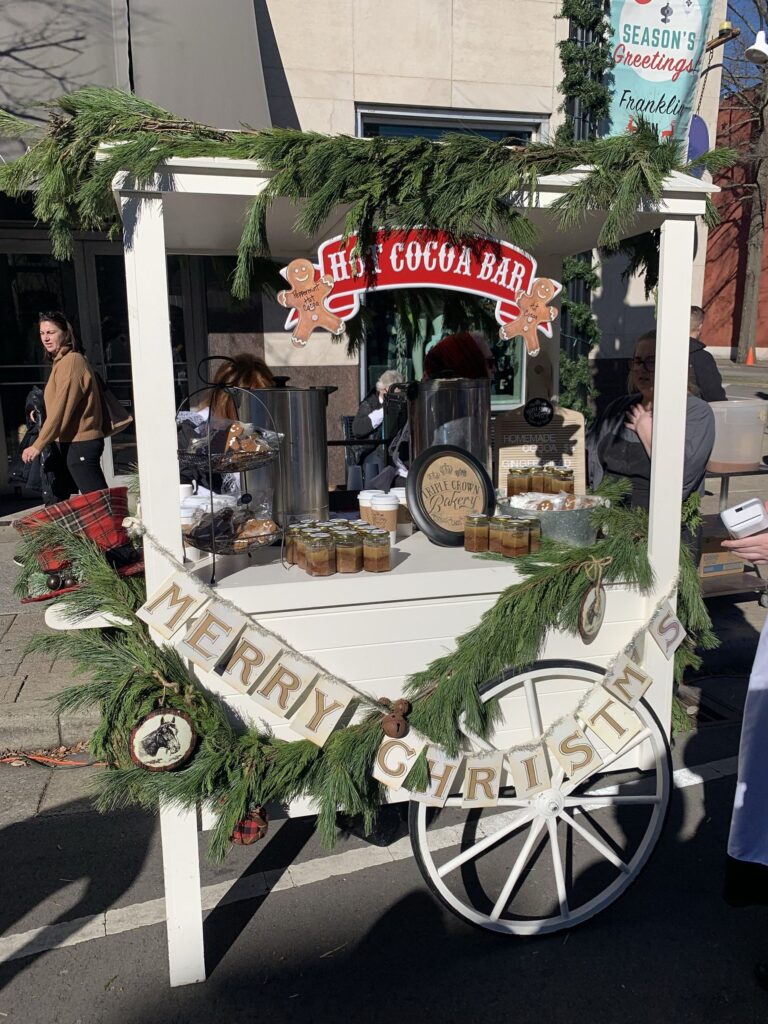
(127, 675)
(585, 64)
(461, 184)
(577, 390)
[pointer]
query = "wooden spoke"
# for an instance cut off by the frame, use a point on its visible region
(596, 843)
(484, 844)
(517, 870)
(532, 702)
(557, 864)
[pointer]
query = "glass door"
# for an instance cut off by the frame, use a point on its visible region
(105, 274)
(31, 282)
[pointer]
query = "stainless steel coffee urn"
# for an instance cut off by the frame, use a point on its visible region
(299, 478)
(451, 411)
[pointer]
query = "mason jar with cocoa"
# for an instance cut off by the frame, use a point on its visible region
(537, 478)
(321, 556)
(564, 480)
(534, 535)
(349, 552)
(514, 538)
(518, 481)
(476, 532)
(376, 551)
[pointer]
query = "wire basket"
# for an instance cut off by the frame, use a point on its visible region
(232, 532)
(225, 462)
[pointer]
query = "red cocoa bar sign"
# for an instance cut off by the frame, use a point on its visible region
(483, 266)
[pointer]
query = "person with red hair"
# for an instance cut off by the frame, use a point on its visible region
(458, 355)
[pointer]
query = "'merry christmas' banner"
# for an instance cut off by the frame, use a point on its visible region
(657, 46)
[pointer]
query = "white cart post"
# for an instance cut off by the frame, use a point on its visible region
(669, 410)
(197, 206)
(154, 406)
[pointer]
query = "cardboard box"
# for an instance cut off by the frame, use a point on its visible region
(715, 560)
(724, 563)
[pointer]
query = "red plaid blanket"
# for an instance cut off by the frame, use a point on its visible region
(98, 515)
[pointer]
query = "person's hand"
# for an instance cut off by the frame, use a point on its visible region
(376, 417)
(752, 549)
(637, 418)
(30, 453)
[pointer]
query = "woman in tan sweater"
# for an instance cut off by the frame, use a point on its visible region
(73, 413)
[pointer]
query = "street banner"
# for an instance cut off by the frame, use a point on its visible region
(657, 46)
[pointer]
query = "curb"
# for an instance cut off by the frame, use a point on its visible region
(33, 725)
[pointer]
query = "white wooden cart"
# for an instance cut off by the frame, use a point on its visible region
(376, 631)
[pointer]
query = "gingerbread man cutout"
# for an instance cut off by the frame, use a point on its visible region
(307, 297)
(534, 310)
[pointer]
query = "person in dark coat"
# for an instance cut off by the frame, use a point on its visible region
(701, 363)
(619, 442)
(48, 475)
(370, 415)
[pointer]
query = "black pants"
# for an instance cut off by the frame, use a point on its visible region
(83, 462)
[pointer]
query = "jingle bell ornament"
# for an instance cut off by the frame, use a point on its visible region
(251, 828)
(402, 707)
(394, 726)
(53, 581)
(68, 581)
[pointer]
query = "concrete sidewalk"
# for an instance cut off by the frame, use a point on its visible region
(27, 719)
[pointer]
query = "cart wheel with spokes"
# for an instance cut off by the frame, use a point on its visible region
(532, 866)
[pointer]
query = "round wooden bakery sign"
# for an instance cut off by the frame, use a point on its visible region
(444, 486)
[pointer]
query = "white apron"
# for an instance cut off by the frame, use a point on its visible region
(748, 839)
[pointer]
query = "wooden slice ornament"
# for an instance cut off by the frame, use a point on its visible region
(163, 741)
(591, 613)
(593, 603)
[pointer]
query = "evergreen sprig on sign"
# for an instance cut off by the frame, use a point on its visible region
(461, 184)
(126, 675)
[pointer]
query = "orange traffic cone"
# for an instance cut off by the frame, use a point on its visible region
(750, 360)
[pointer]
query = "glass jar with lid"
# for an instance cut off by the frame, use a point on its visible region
(303, 538)
(534, 534)
(349, 552)
(564, 480)
(320, 555)
(537, 478)
(291, 544)
(518, 481)
(476, 532)
(495, 527)
(514, 538)
(376, 551)
(549, 480)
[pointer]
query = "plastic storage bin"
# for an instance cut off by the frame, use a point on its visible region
(739, 428)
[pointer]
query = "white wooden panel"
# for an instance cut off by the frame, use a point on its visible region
(372, 624)
(181, 874)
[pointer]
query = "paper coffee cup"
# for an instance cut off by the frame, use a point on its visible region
(364, 498)
(384, 509)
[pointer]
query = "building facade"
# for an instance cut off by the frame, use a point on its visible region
(336, 66)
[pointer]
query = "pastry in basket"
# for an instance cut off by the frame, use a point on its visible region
(239, 441)
(259, 530)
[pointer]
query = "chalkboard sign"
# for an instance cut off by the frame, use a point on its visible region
(446, 484)
(521, 443)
